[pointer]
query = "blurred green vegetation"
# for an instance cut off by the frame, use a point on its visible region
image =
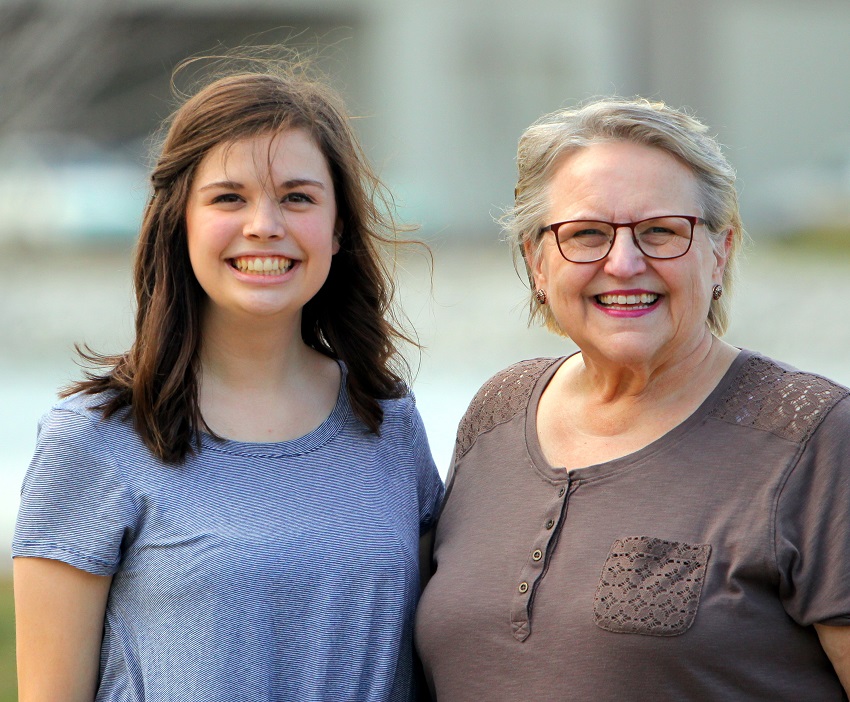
(8, 682)
(826, 240)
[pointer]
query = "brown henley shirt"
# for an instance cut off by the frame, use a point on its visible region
(692, 569)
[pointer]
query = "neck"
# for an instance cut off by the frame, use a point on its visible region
(596, 410)
(610, 381)
(250, 354)
(259, 381)
(612, 398)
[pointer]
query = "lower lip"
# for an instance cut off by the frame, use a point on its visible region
(263, 279)
(623, 312)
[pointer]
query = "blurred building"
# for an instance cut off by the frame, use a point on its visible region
(444, 89)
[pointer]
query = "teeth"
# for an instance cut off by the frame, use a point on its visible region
(270, 265)
(642, 299)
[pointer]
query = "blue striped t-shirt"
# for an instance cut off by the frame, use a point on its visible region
(278, 571)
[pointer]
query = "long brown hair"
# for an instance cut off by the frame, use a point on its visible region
(351, 318)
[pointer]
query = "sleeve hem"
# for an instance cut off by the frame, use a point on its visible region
(841, 620)
(81, 561)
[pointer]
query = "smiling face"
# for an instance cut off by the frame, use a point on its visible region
(628, 309)
(261, 225)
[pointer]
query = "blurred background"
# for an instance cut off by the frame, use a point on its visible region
(442, 90)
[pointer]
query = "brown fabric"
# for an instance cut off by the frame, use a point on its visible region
(689, 570)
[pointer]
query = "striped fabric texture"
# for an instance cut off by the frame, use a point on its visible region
(281, 571)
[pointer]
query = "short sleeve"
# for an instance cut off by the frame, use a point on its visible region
(429, 484)
(75, 505)
(813, 526)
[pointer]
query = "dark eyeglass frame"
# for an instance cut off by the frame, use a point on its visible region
(631, 225)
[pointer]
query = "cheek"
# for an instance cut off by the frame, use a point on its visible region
(206, 239)
(319, 233)
(195, 228)
(710, 271)
(207, 236)
(570, 280)
(197, 256)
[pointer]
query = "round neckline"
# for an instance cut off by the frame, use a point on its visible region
(600, 470)
(310, 441)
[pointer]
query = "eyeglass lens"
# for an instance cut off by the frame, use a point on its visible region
(586, 241)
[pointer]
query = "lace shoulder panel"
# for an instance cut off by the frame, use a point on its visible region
(789, 404)
(499, 400)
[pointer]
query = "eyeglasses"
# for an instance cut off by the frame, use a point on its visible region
(587, 241)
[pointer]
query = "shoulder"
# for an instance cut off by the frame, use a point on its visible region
(90, 406)
(79, 409)
(500, 399)
(77, 499)
(402, 422)
(401, 409)
(76, 425)
(772, 396)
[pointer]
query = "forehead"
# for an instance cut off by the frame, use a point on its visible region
(621, 179)
(290, 153)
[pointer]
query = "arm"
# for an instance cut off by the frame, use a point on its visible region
(836, 643)
(426, 542)
(430, 490)
(812, 532)
(59, 612)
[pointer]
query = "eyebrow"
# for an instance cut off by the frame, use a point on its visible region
(286, 185)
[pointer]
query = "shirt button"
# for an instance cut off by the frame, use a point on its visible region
(536, 555)
(562, 491)
(550, 524)
(523, 587)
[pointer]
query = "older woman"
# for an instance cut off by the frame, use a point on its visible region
(660, 515)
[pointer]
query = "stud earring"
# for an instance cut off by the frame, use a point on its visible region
(717, 292)
(540, 296)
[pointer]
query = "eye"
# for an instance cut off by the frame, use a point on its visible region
(586, 236)
(227, 198)
(588, 233)
(663, 228)
(297, 198)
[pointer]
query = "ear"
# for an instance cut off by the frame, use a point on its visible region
(338, 227)
(722, 255)
(532, 264)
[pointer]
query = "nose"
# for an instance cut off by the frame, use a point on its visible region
(265, 221)
(625, 259)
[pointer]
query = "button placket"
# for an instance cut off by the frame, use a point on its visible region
(536, 563)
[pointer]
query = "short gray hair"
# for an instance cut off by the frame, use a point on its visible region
(544, 144)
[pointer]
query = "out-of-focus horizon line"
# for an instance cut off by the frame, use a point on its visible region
(444, 90)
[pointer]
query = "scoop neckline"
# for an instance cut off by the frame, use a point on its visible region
(310, 441)
(558, 474)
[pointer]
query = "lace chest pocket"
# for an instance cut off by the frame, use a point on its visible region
(650, 586)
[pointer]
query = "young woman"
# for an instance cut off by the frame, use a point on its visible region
(232, 508)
